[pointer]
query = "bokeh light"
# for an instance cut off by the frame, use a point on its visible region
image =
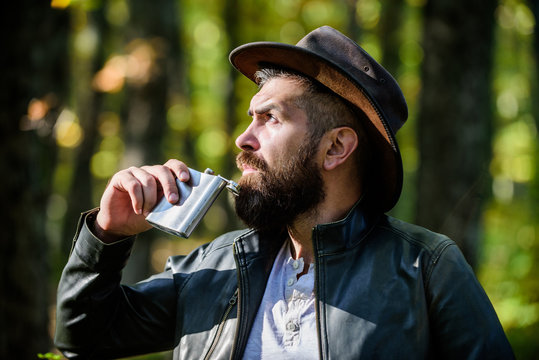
(67, 130)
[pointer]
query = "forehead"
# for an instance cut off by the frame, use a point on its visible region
(280, 94)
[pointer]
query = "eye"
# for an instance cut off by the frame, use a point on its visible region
(271, 118)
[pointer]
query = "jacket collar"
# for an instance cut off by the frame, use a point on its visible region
(346, 233)
(252, 246)
(327, 238)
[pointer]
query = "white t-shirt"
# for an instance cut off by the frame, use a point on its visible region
(285, 324)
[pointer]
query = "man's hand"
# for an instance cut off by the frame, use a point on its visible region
(132, 193)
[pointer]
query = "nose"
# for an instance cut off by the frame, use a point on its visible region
(247, 140)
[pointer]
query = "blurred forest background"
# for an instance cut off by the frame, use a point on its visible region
(90, 87)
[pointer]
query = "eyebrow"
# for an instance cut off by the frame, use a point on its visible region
(264, 109)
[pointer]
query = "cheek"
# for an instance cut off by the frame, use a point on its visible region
(276, 156)
(269, 150)
(279, 146)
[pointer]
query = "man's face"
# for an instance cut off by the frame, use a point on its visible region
(281, 177)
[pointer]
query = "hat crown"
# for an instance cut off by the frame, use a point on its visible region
(362, 69)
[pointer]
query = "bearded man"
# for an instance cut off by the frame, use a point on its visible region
(321, 272)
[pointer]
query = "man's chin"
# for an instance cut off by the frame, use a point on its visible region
(251, 179)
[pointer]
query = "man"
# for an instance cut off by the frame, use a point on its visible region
(321, 273)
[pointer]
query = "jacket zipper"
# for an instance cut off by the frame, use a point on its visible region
(231, 303)
(317, 293)
(238, 325)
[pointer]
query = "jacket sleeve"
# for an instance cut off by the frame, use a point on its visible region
(97, 318)
(463, 322)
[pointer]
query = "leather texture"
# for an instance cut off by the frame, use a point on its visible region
(384, 289)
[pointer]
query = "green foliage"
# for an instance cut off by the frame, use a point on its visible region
(511, 228)
(50, 355)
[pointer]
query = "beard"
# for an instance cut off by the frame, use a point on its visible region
(271, 199)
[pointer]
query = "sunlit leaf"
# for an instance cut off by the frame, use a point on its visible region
(112, 143)
(139, 61)
(178, 117)
(411, 53)
(104, 164)
(212, 143)
(86, 41)
(56, 207)
(288, 8)
(371, 44)
(109, 124)
(368, 13)
(37, 109)
(513, 149)
(111, 78)
(524, 20)
(67, 130)
(60, 4)
(117, 12)
(291, 32)
(317, 12)
(207, 34)
(507, 104)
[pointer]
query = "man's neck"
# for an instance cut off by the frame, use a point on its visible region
(330, 210)
(300, 233)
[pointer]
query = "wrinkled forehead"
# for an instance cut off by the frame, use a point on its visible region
(279, 94)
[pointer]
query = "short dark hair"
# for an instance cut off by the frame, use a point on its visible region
(325, 110)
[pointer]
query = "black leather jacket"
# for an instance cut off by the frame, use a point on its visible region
(384, 289)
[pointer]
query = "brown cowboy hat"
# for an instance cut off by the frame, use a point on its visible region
(342, 66)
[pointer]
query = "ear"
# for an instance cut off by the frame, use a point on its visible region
(341, 143)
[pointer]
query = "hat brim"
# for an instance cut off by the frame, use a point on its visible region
(386, 168)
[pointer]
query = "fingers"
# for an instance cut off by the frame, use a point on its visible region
(166, 179)
(146, 184)
(179, 169)
(143, 190)
(140, 185)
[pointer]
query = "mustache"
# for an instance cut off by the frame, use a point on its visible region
(250, 159)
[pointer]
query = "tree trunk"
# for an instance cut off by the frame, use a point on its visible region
(534, 6)
(353, 30)
(390, 34)
(154, 32)
(455, 115)
(33, 67)
(233, 27)
(89, 103)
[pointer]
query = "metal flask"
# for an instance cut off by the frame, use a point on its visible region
(196, 197)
